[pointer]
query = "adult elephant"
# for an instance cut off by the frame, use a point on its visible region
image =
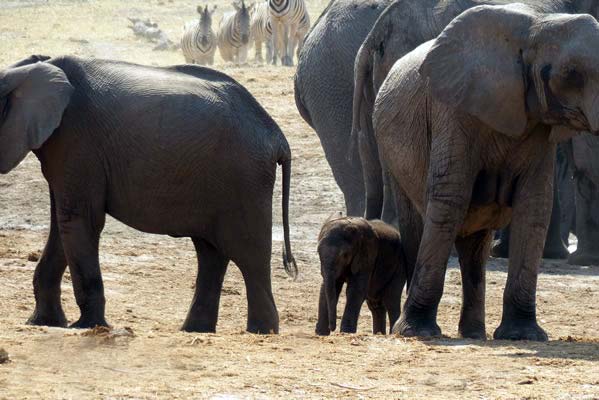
(403, 26)
(324, 84)
(146, 146)
(468, 125)
(582, 153)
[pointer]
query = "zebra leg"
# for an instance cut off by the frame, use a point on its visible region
(269, 51)
(243, 54)
(292, 31)
(258, 54)
(277, 38)
(285, 53)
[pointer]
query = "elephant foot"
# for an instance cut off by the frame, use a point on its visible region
(262, 328)
(475, 331)
(348, 329)
(320, 331)
(557, 252)
(87, 323)
(583, 258)
(198, 326)
(416, 328)
(501, 249)
(520, 330)
(48, 318)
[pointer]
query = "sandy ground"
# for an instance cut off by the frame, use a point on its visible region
(149, 279)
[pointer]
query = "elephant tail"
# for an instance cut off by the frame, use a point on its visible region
(288, 259)
(362, 96)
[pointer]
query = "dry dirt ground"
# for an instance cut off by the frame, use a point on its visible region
(149, 279)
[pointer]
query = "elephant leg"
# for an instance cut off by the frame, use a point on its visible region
(212, 266)
(450, 182)
(554, 246)
(410, 228)
(583, 158)
(355, 294)
(392, 297)
(373, 174)
(81, 224)
(530, 220)
(322, 326)
(501, 249)
(47, 277)
(587, 222)
(379, 319)
(262, 311)
(473, 251)
(566, 192)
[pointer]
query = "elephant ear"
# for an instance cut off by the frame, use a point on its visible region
(32, 100)
(475, 65)
(367, 248)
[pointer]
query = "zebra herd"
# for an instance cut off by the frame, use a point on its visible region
(280, 25)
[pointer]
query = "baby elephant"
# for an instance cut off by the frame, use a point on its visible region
(369, 257)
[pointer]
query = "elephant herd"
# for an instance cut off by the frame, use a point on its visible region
(440, 117)
(444, 118)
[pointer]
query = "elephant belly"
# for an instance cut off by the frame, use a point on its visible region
(489, 216)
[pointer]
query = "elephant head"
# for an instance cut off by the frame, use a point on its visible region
(33, 98)
(345, 246)
(511, 67)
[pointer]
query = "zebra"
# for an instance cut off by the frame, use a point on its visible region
(261, 31)
(289, 19)
(234, 33)
(199, 41)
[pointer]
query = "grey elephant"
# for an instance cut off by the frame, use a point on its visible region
(368, 257)
(404, 25)
(146, 145)
(324, 84)
(467, 124)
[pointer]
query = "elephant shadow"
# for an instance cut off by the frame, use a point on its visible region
(585, 349)
(548, 267)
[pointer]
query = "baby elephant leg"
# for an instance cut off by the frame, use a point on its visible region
(379, 319)
(355, 295)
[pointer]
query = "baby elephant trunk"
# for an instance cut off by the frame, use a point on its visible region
(331, 294)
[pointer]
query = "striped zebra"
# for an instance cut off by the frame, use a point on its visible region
(261, 31)
(234, 33)
(199, 41)
(290, 23)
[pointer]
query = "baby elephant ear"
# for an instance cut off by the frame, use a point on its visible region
(475, 65)
(32, 100)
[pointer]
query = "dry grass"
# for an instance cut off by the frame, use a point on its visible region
(149, 278)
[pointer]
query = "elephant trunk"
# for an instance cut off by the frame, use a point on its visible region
(331, 295)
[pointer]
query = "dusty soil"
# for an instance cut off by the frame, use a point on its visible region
(149, 279)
